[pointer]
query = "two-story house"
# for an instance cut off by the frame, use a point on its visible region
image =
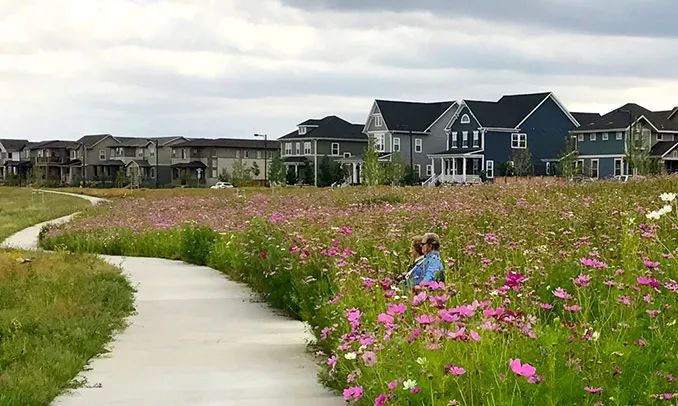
(11, 163)
(413, 130)
(56, 161)
(602, 143)
(330, 137)
(202, 160)
(482, 135)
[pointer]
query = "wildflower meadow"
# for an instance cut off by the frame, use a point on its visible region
(554, 294)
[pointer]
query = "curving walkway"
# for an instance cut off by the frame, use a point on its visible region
(197, 339)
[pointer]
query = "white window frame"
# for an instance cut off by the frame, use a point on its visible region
(214, 173)
(455, 140)
(418, 145)
(429, 170)
(489, 169)
(475, 165)
(580, 137)
(396, 144)
(302, 130)
(417, 169)
(519, 141)
(260, 154)
(288, 148)
(378, 120)
(184, 153)
(335, 149)
(297, 149)
(140, 152)
(660, 137)
(246, 154)
(548, 168)
(597, 167)
(307, 148)
(465, 119)
(347, 155)
(237, 153)
(464, 139)
(606, 136)
(592, 137)
(621, 166)
(619, 136)
(102, 154)
(380, 142)
(476, 139)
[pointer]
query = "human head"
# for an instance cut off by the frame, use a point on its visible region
(417, 246)
(430, 242)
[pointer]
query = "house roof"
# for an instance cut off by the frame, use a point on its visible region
(618, 118)
(311, 121)
(91, 140)
(13, 145)
(661, 121)
(507, 112)
(459, 151)
(415, 116)
(228, 143)
(55, 144)
(191, 165)
(141, 163)
(662, 147)
(586, 118)
(331, 127)
(131, 142)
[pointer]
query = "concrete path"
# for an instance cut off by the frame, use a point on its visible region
(197, 339)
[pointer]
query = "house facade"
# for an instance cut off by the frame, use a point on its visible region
(12, 163)
(56, 161)
(410, 131)
(602, 144)
(317, 139)
(202, 161)
(486, 136)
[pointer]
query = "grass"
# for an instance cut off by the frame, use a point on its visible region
(56, 312)
(22, 207)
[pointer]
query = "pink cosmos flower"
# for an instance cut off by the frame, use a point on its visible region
(393, 385)
(573, 308)
(625, 300)
(415, 390)
(593, 263)
(514, 279)
(591, 389)
(561, 293)
(582, 280)
(419, 298)
(353, 393)
(455, 370)
(380, 400)
(651, 264)
(459, 334)
(396, 308)
(647, 281)
(385, 319)
(345, 230)
(425, 319)
(448, 316)
(464, 311)
(535, 379)
(369, 358)
(546, 306)
(332, 361)
(474, 335)
(521, 369)
(493, 313)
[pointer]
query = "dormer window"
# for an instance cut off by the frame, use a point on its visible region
(465, 119)
(378, 121)
(302, 130)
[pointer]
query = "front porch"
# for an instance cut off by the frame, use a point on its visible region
(456, 168)
(189, 174)
(353, 168)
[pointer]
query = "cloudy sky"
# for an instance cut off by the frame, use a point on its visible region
(227, 68)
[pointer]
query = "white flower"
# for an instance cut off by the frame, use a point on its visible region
(409, 384)
(653, 215)
(350, 355)
(668, 197)
(421, 361)
(666, 209)
(595, 336)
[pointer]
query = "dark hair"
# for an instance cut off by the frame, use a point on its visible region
(432, 240)
(417, 245)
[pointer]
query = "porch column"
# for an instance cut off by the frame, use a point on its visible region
(464, 171)
(443, 170)
(354, 166)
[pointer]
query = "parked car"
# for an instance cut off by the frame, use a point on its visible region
(222, 185)
(622, 178)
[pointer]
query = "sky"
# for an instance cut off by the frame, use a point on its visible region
(227, 68)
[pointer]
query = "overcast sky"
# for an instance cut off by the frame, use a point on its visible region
(227, 68)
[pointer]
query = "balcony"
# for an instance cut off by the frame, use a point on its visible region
(51, 160)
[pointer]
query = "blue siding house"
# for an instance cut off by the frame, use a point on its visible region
(484, 136)
(602, 142)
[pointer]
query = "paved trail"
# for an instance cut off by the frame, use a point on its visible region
(197, 339)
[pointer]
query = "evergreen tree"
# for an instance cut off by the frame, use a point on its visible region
(255, 169)
(308, 175)
(224, 176)
(276, 172)
(291, 176)
(330, 172)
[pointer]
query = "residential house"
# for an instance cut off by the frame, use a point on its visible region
(317, 139)
(56, 160)
(202, 161)
(11, 162)
(603, 143)
(412, 130)
(485, 135)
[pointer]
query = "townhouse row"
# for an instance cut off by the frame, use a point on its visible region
(147, 162)
(458, 141)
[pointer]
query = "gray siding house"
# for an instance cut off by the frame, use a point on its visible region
(12, 164)
(411, 130)
(330, 137)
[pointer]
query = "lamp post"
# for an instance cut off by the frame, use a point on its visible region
(265, 157)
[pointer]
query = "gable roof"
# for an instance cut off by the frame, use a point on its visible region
(586, 118)
(415, 116)
(507, 112)
(227, 143)
(662, 147)
(331, 127)
(621, 118)
(91, 140)
(13, 145)
(56, 144)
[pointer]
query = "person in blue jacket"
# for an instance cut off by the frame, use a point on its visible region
(431, 268)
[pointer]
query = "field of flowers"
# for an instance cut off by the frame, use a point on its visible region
(554, 294)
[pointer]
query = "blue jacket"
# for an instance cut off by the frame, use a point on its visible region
(429, 269)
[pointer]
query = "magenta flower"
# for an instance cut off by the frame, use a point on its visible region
(546, 306)
(385, 319)
(573, 308)
(396, 308)
(651, 264)
(353, 393)
(625, 300)
(380, 400)
(591, 389)
(448, 316)
(425, 319)
(582, 280)
(562, 294)
(455, 370)
(521, 369)
(593, 263)
(332, 361)
(474, 335)
(493, 313)
(647, 281)
(419, 298)
(393, 385)
(369, 358)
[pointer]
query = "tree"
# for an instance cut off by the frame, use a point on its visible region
(240, 175)
(224, 176)
(330, 172)
(638, 151)
(255, 169)
(395, 171)
(522, 162)
(276, 172)
(121, 178)
(308, 175)
(38, 176)
(567, 164)
(409, 177)
(291, 176)
(372, 169)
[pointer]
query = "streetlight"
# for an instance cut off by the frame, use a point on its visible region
(265, 157)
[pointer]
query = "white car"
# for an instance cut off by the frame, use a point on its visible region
(222, 185)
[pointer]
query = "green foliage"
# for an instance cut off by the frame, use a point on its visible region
(307, 174)
(329, 172)
(522, 162)
(395, 170)
(240, 175)
(196, 243)
(373, 171)
(224, 176)
(255, 169)
(276, 171)
(38, 176)
(568, 159)
(121, 178)
(291, 177)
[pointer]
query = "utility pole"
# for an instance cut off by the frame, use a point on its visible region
(157, 174)
(411, 156)
(265, 157)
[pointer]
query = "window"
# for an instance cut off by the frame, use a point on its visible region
(74, 154)
(549, 168)
(429, 170)
(214, 173)
(518, 141)
(579, 166)
(476, 139)
(396, 144)
(418, 145)
(592, 137)
(660, 137)
(580, 137)
(335, 148)
(454, 140)
(417, 169)
(617, 167)
(214, 152)
(288, 148)
(183, 153)
(379, 142)
(378, 121)
(594, 168)
(237, 153)
(489, 169)
(260, 155)
(140, 153)
(297, 148)
(347, 154)
(465, 119)
(464, 139)
(605, 136)
(174, 152)
(619, 136)
(151, 152)
(476, 164)
(246, 154)
(102, 154)
(302, 130)
(153, 173)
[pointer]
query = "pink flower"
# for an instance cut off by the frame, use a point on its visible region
(591, 389)
(582, 280)
(385, 319)
(561, 293)
(369, 358)
(625, 300)
(353, 393)
(651, 264)
(573, 308)
(546, 306)
(455, 370)
(419, 298)
(380, 400)
(593, 263)
(464, 311)
(396, 308)
(415, 390)
(521, 369)
(493, 313)
(448, 316)
(647, 281)
(332, 361)
(393, 385)
(474, 335)
(425, 319)
(345, 230)
(514, 279)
